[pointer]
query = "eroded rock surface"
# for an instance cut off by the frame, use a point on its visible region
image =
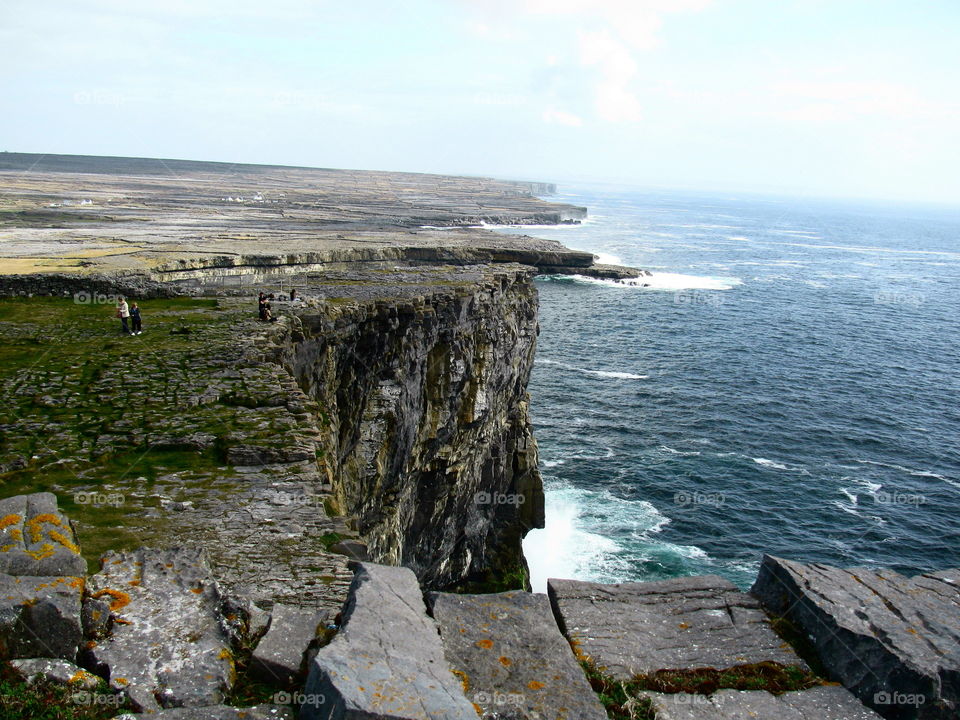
(171, 644)
(218, 712)
(819, 703)
(511, 657)
(60, 672)
(280, 657)
(36, 538)
(893, 640)
(387, 660)
(40, 616)
(638, 628)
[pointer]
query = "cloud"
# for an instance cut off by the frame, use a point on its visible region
(614, 101)
(608, 36)
(554, 116)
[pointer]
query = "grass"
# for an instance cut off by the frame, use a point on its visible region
(46, 701)
(622, 699)
(85, 409)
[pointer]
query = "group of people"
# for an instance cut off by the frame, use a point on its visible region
(129, 317)
(265, 310)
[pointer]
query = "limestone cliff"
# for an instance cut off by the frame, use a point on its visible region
(427, 436)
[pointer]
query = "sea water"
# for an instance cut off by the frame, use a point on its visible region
(786, 381)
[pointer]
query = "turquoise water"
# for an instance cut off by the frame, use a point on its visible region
(787, 383)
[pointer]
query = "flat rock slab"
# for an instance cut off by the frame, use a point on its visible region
(819, 703)
(59, 672)
(281, 655)
(510, 656)
(37, 539)
(893, 640)
(638, 628)
(387, 660)
(218, 712)
(169, 645)
(40, 617)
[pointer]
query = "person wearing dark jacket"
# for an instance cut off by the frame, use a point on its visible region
(135, 319)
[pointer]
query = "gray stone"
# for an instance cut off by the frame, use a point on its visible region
(40, 617)
(280, 656)
(218, 712)
(894, 641)
(95, 617)
(170, 643)
(36, 538)
(387, 660)
(631, 628)
(818, 703)
(511, 657)
(60, 672)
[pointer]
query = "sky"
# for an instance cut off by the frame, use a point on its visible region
(830, 98)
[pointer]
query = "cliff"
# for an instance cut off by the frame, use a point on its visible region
(428, 443)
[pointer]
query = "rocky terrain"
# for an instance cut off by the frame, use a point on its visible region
(322, 515)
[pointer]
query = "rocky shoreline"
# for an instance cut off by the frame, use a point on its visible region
(330, 507)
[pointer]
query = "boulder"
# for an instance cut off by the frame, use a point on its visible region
(511, 657)
(218, 712)
(818, 703)
(59, 672)
(892, 640)
(692, 622)
(280, 657)
(170, 643)
(37, 539)
(387, 660)
(40, 617)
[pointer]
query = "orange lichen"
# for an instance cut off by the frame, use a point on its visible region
(79, 676)
(535, 685)
(134, 583)
(505, 661)
(477, 709)
(44, 551)
(16, 534)
(7, 548)
(8, 520)
(120, 598)
(486, 643)
(65, 541)
(682, 626)
(34, 523)
(464, 679)
(196, 590)
(121, 681)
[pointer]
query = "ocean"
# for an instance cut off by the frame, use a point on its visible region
(785, 383)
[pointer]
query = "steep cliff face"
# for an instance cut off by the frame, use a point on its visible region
(428, 443)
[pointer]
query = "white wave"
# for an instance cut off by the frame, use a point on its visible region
(553, 463)
(607, 259)
(847, 508)
(770, 463)
(576, 541)
(667, 281)
(901, 468)
(851, 496)
(685, 453)
(614, 374)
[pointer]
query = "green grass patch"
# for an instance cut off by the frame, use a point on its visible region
(622, 699)
(47, 701)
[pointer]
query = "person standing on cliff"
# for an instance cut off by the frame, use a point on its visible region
(135, 319)
(123, 312)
